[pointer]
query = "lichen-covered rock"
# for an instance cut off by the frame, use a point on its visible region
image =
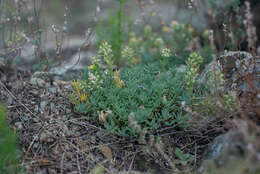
(236, 67)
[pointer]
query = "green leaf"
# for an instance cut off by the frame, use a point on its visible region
(178, 152)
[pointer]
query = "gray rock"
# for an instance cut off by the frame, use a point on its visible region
(235, 66)
(42, 105)
(53, 90)
(36, 108)
(37, 81)
(19, 125)
(52, 105)
(235, 152)
(221, 151)
(221, 144)
(27, 52)
(26, 118)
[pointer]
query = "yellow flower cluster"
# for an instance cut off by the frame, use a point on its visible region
(148, 31)
(166, 29)
(128, 55)
(193, 65)
(105, 50)
(117, 80)
(79, 90)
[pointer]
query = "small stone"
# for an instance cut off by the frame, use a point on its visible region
(53, 90)
(68, 110)
(37, 81)
(46, 138)
(19, 125)
(35, 145)
(68, 133)
(52, 105)
(26, 118)
(42, 105)
(43, 136)
(36, 108)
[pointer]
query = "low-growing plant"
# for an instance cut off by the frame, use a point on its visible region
(165, 54)
(153, 100)
(183, 158)
(193, 71)
(9, 154)
(134, 100)
(43, 65)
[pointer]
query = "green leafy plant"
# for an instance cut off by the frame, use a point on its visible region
(147, 99)
(193, 66)
(43, 64)
(9, 154)
(116, 28)
(165, 53)
(139, 99)
(133, 100)
(183, 158)
(181, 37)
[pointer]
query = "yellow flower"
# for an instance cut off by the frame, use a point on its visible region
(136, 60)
(148, 31)
(174, 24)
(133, 40)
(75, 85)
(210, 12)
(206, 33)
(117, 80)
(190, 29)
(165, 29)
(91, 66)
(83, 97)
(153, 14)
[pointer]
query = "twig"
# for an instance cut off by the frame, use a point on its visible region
(195, 155)
(131, 164)
(78, 164)
(62, 163)
(166, 157)
(30, 146)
